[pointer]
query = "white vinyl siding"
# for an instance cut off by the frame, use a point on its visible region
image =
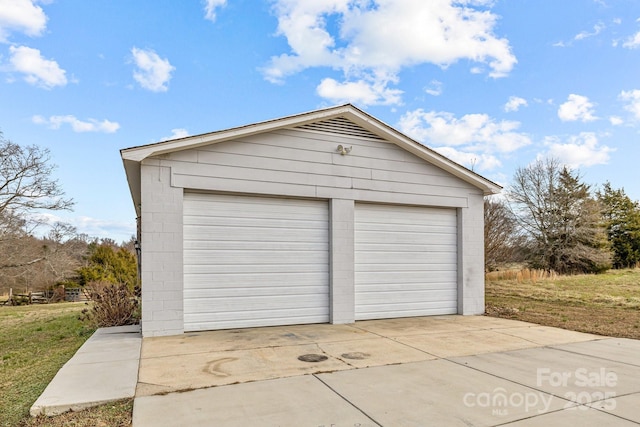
(254, 261)
(302, 163)
(405, 261)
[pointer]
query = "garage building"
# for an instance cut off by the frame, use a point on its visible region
(327, 216)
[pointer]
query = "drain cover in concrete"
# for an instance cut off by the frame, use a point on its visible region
(312, 358)
(356, 355)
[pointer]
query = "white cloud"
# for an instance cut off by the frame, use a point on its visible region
(577, 107)
(94, 227)
(176, 133)
(633, 101)
(579, 150)
(632, 42)
(90, 125)
(38, 71)
(440, 32)
(615, 120)
(435, 88)
(152, 72)
(476, 132)
(359, 92)
(597, 29)
(473, 161)
(514, 103)
(23, 16)
(210, 8)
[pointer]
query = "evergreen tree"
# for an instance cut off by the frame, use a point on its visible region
(109, 264)
(622, 221)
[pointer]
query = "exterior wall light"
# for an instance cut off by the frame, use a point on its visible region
(344, 150)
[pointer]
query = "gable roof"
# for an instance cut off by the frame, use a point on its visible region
(332, 118)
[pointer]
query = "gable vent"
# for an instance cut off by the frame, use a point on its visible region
(341, 126)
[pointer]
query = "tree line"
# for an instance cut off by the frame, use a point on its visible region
(33, 260)
(549, 219)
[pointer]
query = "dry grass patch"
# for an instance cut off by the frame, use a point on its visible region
(604, 304)
(115, 414)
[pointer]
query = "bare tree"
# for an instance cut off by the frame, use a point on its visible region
(64, 252)
(502, 239)
(26, 184)
(560, 217)
(26, 188)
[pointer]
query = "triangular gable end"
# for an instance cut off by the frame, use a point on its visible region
(346, 120)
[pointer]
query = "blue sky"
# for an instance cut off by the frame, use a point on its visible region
(492, 84)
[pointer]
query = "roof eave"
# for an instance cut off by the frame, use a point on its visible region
(132, 170)
(380, 128)
(140, 153)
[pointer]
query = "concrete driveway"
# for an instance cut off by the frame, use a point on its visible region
(441, 371)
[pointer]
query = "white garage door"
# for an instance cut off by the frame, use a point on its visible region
(254, 261)
(406, 261)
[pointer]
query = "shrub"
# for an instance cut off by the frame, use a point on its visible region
(113, 305)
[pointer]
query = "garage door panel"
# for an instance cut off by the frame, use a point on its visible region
(414, 214)
(257, 315)
(446, 242)
(392, 228)
(435, 309)
(387, 278)
(231, 245)
(271, 271)
(403, 289)
(371, 237)
(236, 222)
(257, 245)
(235, 210)
(254, 261)
(405, 261)
(228, 320)
(309, 279)
(257, 257)
(399, 268)
(253, 234)
(254, 305)
(257, 291)
(436, 295)
(405, 258)
(433, 223)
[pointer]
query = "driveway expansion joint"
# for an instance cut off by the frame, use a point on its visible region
(347, 400)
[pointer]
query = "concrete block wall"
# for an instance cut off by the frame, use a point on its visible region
(161, 243)
(342, 271)
(471, 256)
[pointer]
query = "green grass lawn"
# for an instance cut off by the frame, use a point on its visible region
(35, 341)
(604, 304)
